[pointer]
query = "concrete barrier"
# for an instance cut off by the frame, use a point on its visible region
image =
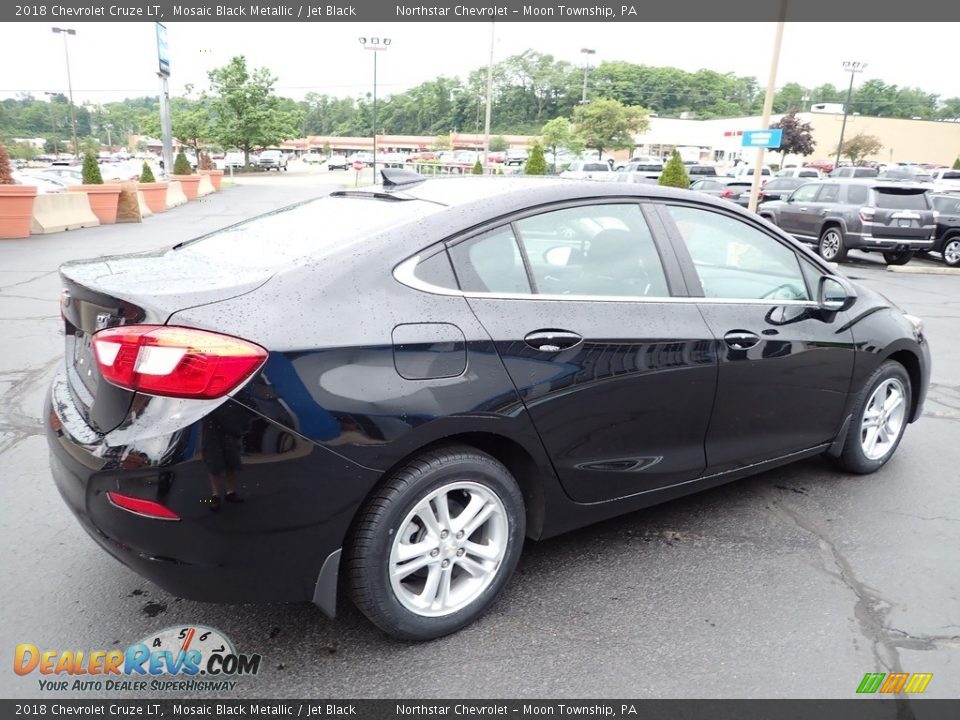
(175, 194)
(145, 210)
(55, 212)
(205, 186)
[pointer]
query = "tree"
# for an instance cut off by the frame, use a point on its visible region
(536, 163)
(607, 124)
(181, 166)
(797, 136)
(956, 164)
(146, 174)
(674, 173)
(477, 168)
(860, 146)
(443, 142)
(91, 171)
(245, 112)
(6, 173)
(559, 133)
(498, 143)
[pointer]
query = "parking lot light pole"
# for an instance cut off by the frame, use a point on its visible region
(376, 44)
(853, 68)
(73, 112)
(489, 109)
(587, 52)
(767, 108)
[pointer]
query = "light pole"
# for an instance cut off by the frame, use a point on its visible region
(587, 52)
(73, 112)
(53, 122)
(767, 106)
(853, 68)
(489, 110)
(376, 44)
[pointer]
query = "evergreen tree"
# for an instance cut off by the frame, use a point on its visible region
(674, 173)
(181, 166)
(536, 163)
(91, 171)
(477, 168)
(146, 174)
(956, 164)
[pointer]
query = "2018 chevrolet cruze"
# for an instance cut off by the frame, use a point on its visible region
(390, 388)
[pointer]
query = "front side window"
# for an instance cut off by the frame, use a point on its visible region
(599, 250)
(805, 193)
(735, 260)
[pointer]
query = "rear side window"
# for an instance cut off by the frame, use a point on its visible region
(829, 193)
(490, 263)
(857, 194)
(950, 176)
(900, 200)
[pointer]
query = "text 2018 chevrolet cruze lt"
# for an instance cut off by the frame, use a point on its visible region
(393, 387)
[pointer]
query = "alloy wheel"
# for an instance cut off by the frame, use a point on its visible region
(883, 418)
(951, 253)
(830, 245)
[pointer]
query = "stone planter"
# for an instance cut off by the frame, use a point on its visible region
(103, 200)
(155, 195)
(216, 177)
(16, 210)
(189, 184)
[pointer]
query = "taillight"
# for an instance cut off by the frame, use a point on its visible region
(139, 506)
(175, 361)
(727, 194)
(867, 213)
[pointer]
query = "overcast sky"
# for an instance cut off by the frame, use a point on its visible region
(110, 61)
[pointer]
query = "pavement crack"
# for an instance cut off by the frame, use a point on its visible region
(30, 280)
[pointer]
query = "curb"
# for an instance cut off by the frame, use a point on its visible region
(921, 270)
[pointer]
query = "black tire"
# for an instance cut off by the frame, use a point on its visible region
(369, 551)
(951, 251)
(853, 458)
(831, 245)
(898, 258)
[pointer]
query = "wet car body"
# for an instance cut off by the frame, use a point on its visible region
(373, 356)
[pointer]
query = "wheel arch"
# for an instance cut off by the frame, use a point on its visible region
(910, 363)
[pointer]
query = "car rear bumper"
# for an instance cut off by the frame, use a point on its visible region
(270, 547)
(866, 241)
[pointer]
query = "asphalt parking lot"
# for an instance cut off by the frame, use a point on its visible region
(793, 583)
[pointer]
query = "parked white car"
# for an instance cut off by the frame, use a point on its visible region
(800, 172)
(313, 158)
(584, 170)
(946, 180)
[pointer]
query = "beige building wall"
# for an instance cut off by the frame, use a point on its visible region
(919, 141)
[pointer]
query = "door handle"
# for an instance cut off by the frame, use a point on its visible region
(804, 209)
(552, 341)
(741, 339)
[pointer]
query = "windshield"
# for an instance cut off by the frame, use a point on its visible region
(311, 229)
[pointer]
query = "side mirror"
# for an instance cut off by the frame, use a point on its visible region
(835, 294)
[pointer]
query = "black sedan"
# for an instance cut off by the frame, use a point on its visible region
(395, 386)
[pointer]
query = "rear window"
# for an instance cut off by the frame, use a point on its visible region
(592, 167)
(951, 176)
(901, 199)
(808, 173)
(312, 229)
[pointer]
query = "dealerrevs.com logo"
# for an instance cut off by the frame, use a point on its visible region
(180, 659)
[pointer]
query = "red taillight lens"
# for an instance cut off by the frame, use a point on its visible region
(867, 213)
(175, 361)
(139, 506)
(727, 193)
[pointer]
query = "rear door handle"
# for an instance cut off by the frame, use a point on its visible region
(552, 340)
(741, 339)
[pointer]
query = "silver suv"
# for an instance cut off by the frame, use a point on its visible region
(871, 215)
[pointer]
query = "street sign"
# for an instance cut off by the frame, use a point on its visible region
(358, 165)
(163, 50)
(762, 138)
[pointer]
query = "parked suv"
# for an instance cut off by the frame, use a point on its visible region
(272, 160)
(854, 172)
(947, 240)
(893, 218)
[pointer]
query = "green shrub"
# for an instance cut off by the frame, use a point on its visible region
(956, 164)
(536, 163)
(6, 174)
(146, 175)
(674, 173)
(91, 171)
(181, 166)
(477, 168)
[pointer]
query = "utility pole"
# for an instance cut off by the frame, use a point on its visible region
(73, 112)
(486, 124)
(163, 72)
(767, 106)
(587, 52)
(853, 68)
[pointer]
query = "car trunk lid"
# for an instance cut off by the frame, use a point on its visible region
(902, 213)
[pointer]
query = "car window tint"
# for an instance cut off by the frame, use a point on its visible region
(856, 194)
(902, 199)
(604, 250)
(946, 204)
(436, 270)
(805, 193)
(490, 263)
(828, 193)
(737, 261)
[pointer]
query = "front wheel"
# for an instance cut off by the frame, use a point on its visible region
(951, 252)
(879, 420)
(898, 258)
(831, 246)
(435, 545)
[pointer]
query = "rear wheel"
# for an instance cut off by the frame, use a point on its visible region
(879, 420)
(951, 251)
(898, 258)
(831, 246)
(435, 545)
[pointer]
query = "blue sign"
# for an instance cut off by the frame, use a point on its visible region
(163, 50)
(762, 138)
